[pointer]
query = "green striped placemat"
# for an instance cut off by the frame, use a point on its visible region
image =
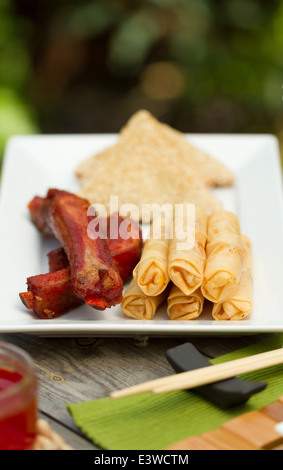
(153, 422)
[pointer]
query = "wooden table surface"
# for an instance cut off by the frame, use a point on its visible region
(72, 370)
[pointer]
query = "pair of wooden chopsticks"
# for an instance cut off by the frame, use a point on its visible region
(205, 375)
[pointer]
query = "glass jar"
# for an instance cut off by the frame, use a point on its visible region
(18, 398)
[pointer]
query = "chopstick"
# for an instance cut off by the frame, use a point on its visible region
(205, 375)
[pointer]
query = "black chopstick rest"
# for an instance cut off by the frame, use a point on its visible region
(225, 393)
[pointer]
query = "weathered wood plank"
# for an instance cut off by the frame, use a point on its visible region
(71, 370)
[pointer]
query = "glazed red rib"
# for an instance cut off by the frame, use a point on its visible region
(38, 209)
(94, 276)
(50, 295)
(124, 251)
(125, 254)
(57, 259)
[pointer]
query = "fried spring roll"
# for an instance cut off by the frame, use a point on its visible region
(136, 304)
(184, 307)
(151, 273)
(186, 265)
(94, 276)
(240, 304)
(224, 257)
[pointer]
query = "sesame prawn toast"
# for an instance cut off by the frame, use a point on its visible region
(151, 132)
(139, 174)
(146, 141)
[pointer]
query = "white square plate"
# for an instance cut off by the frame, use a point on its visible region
(33, 164)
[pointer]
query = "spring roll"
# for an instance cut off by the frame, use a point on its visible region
(151, 272)
(240, 304)
(136, 304)
(184, 307)
(186, 266)
(224, 257)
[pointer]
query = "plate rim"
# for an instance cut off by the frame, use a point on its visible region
(93, 328)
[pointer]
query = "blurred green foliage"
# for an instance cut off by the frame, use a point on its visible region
(200, 65)
(16, 116)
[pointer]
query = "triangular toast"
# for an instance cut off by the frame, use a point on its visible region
(151, 163)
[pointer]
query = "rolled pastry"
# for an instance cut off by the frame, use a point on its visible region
(240, 304)
(184, 307)
(151, 272)
(224, 257)
(136, 304)
(186, 266)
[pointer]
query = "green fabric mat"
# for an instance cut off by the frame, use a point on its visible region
(153, 422)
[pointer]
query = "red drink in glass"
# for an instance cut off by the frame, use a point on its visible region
(18, 399)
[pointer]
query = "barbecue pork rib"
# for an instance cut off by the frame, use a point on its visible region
(50, 295)
(94, 276)
(124, 251)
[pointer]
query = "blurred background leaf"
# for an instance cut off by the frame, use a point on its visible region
(15, 117)
(16, 111)
(199, 65)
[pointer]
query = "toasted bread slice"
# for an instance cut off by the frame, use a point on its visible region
(145, 129)
(151, 164)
